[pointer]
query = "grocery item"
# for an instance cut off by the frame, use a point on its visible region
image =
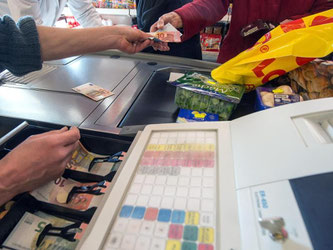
(200, 92)
(283, 49)
(187, 115)
(272, 97)
(313, 80)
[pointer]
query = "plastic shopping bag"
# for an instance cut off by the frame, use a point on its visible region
(283, 49)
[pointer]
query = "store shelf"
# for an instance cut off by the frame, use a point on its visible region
(109, 11)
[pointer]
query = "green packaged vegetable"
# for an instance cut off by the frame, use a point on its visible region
(200, 92)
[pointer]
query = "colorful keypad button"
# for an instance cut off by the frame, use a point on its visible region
(206, 235)
(126, 211)
(164, 215)
(175, 231)
(151, 214)
(192, 218)
(205, 247)
(190, 233)
(138, 212)
(178, 217)
(189, 246)
(173, 245)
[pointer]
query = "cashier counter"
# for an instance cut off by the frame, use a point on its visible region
(266, 183)
(139, 83)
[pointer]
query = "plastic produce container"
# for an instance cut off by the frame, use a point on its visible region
(200, 92)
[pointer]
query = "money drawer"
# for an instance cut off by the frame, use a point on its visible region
(56, 214)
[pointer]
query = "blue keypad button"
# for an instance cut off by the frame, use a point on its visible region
(164, 215)
(178, 217)
(126, 211)
(138, 212)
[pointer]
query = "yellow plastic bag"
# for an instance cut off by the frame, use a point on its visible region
(283, 49)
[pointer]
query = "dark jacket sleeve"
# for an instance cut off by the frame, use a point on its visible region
(200, 14)
(19, 46)
(318, 6)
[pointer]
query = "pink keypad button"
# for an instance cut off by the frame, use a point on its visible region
(175, 231)
(205, 247)
(151, 213)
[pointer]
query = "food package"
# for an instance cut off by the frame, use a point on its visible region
(200, 92)
(187, 115)
(283, 49)
(273, 97)
(313, 80)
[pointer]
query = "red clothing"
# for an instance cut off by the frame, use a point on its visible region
(202, 13)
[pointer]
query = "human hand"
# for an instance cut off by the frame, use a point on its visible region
(286, 21)
(131, 40)
(171, 17)
(36, 161)
(174, 19)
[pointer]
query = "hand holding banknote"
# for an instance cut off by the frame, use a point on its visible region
(36, 161)
(162, 30)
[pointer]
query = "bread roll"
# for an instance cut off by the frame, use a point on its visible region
(313, 95)
(309, 72)
(268, 99)
(320, 83)
(327, 92)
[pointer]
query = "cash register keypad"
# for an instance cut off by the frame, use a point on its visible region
(171, 202)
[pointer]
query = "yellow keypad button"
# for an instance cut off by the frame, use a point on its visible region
(192, 218)
(173, 245)
(206, 235)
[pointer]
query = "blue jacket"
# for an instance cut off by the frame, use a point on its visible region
(19, 46)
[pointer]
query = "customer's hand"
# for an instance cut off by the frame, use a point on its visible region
(36, 161)
(130, 40)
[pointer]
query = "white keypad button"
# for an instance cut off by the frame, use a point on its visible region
(207, 219)
(143, 200)
(114, 240)
(208, 182)
(207, 205)
(146, 189)
(195, 192)
(142, 243)
(170, 191)
(160, 180)
(133, 226)
(147, 228)
(135, 188)
(150, 179)
(180, 203)
(139, 179)
(157, 244)
(161, 230)
(158, 190)
(128, 242)
(120, 225)
(184, 171)
(195, 181)
(197, 172)
(172, 180)
(131, 199)
(184, 181)
(167, 202)
(208, 193)
(155, 201)
(193, 204)
(182, 192)
(208, 172)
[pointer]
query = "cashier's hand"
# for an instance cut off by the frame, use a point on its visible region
(172, 18)
(130, 40)
(36, 161)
